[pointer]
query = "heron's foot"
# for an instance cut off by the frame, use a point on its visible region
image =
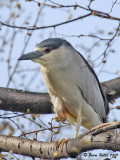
(61, 116)
(101, 125)
(57, 119)
(62, 142)
(76, 135)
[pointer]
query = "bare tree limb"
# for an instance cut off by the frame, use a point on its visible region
(44, 27)
(92, 12)
(96, 139)
(21, 101)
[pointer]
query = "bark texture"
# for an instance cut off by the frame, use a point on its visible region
(93, 139)
(21, 101)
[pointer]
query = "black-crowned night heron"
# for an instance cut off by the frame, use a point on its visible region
(72, 84)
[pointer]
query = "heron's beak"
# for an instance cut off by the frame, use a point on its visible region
(31, 56)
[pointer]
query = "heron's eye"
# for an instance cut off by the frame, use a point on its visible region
(47, 50)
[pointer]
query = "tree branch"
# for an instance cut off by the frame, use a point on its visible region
(21, 101)
(111, 89)
(96, 139)
(91, 12)
(44, 27)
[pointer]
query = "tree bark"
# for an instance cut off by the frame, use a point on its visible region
(21, 101)
(101, 138)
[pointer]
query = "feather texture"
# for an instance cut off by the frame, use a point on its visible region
(78, 93)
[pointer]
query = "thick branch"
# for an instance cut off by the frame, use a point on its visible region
(111, 89)
(21, 101)
(97, 139)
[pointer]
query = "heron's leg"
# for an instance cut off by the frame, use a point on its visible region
(59, 118)
(79, 120)
(59, 109)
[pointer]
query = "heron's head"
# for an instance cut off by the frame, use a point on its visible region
(47, 51)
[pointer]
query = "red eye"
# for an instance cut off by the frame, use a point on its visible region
(47, 50)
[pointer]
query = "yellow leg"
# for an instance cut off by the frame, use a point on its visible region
(62, 142)
(61, 116)
(79, 120)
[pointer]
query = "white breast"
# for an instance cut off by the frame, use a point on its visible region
(59, 84)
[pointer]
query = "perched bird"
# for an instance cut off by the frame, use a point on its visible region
(72, 84)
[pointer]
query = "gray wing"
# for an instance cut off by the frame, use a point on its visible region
(92, 91)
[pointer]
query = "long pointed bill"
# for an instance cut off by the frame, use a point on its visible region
(31, 56)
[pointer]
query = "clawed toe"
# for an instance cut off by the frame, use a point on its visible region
(57, 119)
(62, 142)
